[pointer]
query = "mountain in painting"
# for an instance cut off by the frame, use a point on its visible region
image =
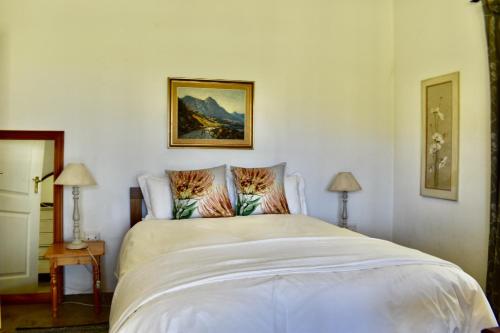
(206, 119)
(239, 115)
(210, 108)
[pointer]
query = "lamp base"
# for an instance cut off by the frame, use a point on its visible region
(76, 245)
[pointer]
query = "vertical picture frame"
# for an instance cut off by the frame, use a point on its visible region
(440, 136)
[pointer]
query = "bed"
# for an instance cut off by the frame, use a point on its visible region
(284, 273)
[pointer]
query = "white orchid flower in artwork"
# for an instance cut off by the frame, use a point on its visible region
(437, 143)
(443, 162)
(434, 147)
(437, 111)
(438, 138)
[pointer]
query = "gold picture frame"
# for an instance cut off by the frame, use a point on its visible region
(210, 113)
(440, 137)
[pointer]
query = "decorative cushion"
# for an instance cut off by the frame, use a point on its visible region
(260, 190)
(294, 192)
(200, 193)
(158, 196)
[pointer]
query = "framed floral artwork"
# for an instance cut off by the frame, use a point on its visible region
(440, 121)
(210, 113)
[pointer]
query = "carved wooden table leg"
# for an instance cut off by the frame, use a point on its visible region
(59, 284)
(96, 268)
(53, 286)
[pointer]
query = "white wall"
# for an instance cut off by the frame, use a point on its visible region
(98, 69)
(47, 186)
(433, 38)
(48, 158)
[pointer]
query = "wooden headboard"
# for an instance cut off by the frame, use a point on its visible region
(135, 205)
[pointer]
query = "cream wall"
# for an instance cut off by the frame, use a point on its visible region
(97, 70)
(47, 186)
(433, 38)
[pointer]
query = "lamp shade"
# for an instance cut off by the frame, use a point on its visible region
(75, 174)
(344, 182)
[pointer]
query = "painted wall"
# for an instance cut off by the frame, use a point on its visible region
(48, 158)
(97, 70)
(47, 186)
(433, 38)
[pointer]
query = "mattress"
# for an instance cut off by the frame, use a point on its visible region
(285, 273)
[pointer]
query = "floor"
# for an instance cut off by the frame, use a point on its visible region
(39, 315)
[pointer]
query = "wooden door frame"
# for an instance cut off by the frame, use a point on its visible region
(58, 138)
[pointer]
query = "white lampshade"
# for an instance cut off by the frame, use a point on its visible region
(75, 174)
(344, 182)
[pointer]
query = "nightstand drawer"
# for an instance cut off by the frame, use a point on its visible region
(84, 260)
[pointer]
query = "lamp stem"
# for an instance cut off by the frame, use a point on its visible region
(343, 216)
(77, 242)
(76, 214)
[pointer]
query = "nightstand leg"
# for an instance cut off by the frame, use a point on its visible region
(59, 284)
(53, 287)
(96, 268)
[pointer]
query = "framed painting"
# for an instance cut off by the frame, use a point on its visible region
(210, 113)
(440, 121)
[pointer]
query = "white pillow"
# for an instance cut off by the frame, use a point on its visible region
(160, 197)
(294, 192)
(145, 194)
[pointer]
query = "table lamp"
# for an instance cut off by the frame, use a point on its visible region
(344, 182)
(76, 175)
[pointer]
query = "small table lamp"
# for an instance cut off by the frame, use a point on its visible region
(344, 182)
(76, 175)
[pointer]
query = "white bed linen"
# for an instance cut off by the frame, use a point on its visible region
(285, 273)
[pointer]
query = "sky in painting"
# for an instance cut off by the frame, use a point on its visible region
(233, 100)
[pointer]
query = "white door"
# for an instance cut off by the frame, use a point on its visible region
(20, 162)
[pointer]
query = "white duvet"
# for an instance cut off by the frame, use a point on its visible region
(285, 273)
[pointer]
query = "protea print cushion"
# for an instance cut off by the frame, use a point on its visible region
(260, 190)
(200, 193)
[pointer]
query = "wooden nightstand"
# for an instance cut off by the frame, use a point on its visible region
(60, 256)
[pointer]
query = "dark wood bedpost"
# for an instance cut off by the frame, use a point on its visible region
(135, 205)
